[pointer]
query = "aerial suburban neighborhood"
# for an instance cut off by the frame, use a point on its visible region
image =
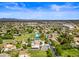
(40, 38)
(39, 29)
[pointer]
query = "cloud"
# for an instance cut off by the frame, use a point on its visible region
(55, 7)
(13, 5)
(65, 7)
(41, 15)
(21, 11)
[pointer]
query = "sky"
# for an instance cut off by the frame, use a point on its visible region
(40, 10)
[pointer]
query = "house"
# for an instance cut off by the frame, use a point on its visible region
(4, 55)
(70, 26)
(23, 42)
(9, 47)
(76, 39)
(35, 44)
(45, 47)
(23, 54)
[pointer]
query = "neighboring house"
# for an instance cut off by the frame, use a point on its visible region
(4, 55)
(23, 54)
(17, 34)
(70, 26)
(76, 39)
(23, 42)
(9, 47)
(45, 47)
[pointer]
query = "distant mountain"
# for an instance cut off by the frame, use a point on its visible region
(31, 20)
(8, 19)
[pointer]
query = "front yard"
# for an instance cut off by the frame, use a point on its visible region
(37, 53)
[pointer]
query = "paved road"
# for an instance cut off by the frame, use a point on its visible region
(54, 51)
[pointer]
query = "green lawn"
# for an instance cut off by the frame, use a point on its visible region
(71, 53)
(8, 41)
(37, 53)
(25, 36)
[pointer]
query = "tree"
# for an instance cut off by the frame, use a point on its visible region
(24, 46)
(54, 43)
(46, 41)
(42, 36)
(30, 29)
(8, 36)
(66, 46)
(65, 38)
(18, 45)
(1, 40)
(49, 53)
(29, 42)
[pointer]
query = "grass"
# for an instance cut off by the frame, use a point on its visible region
(70, 53)
(8, 41)
(25, 36)
(13, 53)
(22, 37)
(37, 53)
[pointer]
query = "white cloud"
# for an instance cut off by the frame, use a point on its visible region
(65, 7)
(41, 15)
(55, 7)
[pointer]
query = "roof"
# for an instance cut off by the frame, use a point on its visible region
(37, 35)
(4, 55)
(8, 46)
